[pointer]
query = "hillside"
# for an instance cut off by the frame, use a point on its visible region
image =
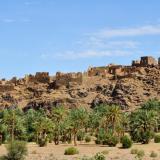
(127, 86)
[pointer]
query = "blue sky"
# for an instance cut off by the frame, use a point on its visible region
(70, 35)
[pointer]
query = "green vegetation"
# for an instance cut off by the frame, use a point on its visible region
(106, 124)
(17, 150)
(157, 138)
(99, 156)
(87, 139)
(111, 140)
(71, 151)
(140, 154)
(126, 142)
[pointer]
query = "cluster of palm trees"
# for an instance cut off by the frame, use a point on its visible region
(66, 125)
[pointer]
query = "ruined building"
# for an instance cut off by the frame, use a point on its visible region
(145, 61)
(97, 71)
(41, 77)
(65, 79)
(119, 70)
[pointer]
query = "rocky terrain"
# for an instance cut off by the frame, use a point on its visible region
(127, 91)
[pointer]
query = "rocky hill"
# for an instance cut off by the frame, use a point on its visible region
(127, 86)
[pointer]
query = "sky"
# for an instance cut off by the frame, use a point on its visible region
(71, 35)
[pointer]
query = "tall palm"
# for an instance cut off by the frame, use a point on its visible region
(78, 118)
(57, 115)
(112, 118)
(13, 122)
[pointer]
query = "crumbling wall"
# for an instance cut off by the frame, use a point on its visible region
(29, 79)
(148, 61)
(98, 71)
(63, 79)
(136, 63)
(41, 77)
(115, 69)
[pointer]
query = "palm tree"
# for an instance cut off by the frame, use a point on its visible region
(142, 125)
(152, 104)
(43, 127)
(57, 115)
(112, 118)
(12, 121)
(78, 118)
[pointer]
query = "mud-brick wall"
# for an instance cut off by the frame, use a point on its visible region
(145, 61)
(42, 77)
(65, 79)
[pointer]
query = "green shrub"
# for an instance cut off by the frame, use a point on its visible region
(97, 141)
(153, 154)
(140, 154)
(147, 136)
(134, 151)
(112, 140)
(42, 142)
(105, 142)
(126, 142)
(87, 139)
(101, 136)
(17, 150)
(99, 156)
(157, 138)
(71, 151)
(80, 136)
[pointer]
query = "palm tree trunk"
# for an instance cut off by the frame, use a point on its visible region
(12, 130)
(75, 137)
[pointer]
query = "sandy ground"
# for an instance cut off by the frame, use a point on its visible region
(52, 152)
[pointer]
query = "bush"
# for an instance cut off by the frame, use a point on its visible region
(42, 142)
(97, 141)
(80, 136)
(140, 154)
(126, 142)
(17, 150)
(105, 142)
(157, 138)
(112, 140)
(134, 151)
(153, 154)
(87, 139)
(71, 151)
(147, 136)
(99, 156)
(101, 136)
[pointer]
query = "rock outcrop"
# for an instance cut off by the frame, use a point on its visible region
(130, 90)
